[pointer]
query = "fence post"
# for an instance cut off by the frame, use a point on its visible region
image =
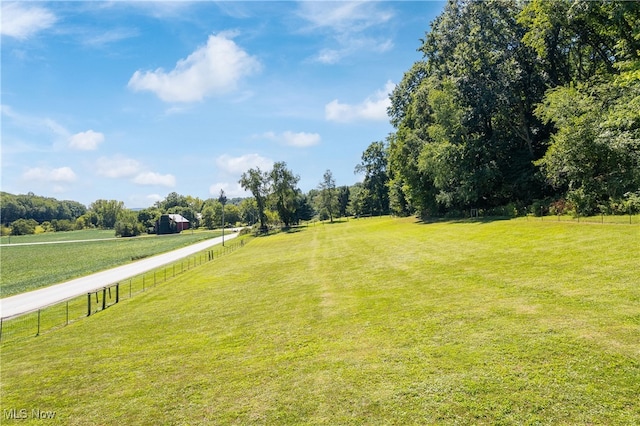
(117, 292)
(88, 304)
(104, 298)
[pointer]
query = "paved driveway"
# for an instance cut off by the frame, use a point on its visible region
(33, 300)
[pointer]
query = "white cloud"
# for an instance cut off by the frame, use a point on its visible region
(86, 141)
(350, 26)
(152, 178)
(231, 190)
(238, 165)
(44, 174)
(213, 69)
(299, 140)
(21, 21)
(117, 166)
(372, 108)
(120, 166)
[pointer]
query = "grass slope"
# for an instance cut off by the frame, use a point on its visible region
(375, 321)
(31, 267)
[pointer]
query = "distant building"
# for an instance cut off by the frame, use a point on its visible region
(171, 224)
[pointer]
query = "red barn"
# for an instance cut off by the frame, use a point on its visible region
(181, 223)
(171, 224)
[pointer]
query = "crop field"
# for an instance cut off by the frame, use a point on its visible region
(370, 321)
(86, 234)
(28, 267)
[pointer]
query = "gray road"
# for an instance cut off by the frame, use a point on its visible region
(33, 300)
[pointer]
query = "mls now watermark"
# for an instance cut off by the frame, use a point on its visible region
(23, 414)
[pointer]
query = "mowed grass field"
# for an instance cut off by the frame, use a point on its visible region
(29, 267)
(371, 321)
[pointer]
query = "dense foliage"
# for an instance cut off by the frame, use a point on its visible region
(520, 101)
(40, 209)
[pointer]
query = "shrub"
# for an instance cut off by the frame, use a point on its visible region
(585, 202)
(632, 202)
(62, 225)
(510, 210)
(128, 228)
(23, 227)
(245, 231)
(561, 207)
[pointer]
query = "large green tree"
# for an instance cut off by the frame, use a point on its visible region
(591, 52)
(595, 152)
(344, 195)
(469, 132)
(257, 182)
(127, 224)
(249, 211)
(328, 195)
(376, 179)
(284, 192)
(212, 214)
(107, 212)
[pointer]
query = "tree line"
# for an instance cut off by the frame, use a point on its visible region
(519, 105)
(276, 201)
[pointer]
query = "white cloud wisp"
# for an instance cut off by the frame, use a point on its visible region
(351, 25)
(21, 22)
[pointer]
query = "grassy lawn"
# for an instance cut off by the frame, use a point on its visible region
(371, 321)
(30, 267)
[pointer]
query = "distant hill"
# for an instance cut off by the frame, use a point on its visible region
(38, 208)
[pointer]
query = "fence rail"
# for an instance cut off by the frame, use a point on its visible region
(63, 313)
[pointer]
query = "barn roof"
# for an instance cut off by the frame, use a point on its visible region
(178, 218)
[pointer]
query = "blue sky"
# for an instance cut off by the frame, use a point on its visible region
(133, 100)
